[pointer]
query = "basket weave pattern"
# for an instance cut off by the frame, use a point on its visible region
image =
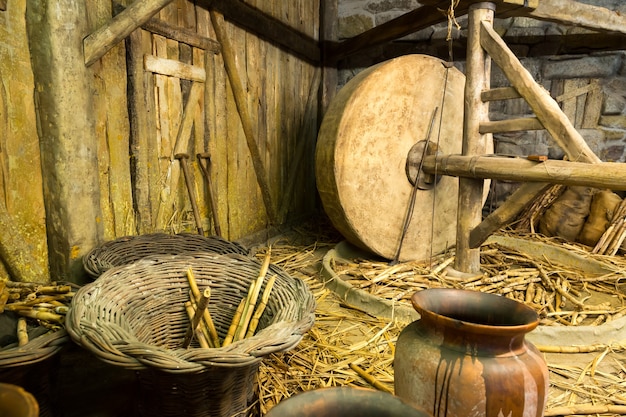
(31, 367)
(133, 316)
(129, 249)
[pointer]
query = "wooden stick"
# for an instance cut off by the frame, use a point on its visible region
(41, 315)
(585, 409)
(214, 339)
(253, 295)
(201, 336)
(242, 107)
(261, 307)
(201, 307)
(4, 297)
(369, 378)
(233, 325)
(22, 332)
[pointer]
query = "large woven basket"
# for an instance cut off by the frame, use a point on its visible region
(129, 249)
(133, 316)
(33, 367)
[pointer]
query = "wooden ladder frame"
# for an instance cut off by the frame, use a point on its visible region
(485, 46)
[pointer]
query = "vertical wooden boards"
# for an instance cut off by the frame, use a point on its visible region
(264, 110)
(144, 159)
(113, 131)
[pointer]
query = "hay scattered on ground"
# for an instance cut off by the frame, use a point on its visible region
(350, 347)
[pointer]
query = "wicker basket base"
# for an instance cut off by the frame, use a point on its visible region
(217, 392)
(37, 379)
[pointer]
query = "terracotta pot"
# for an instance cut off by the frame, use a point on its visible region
(344, 402)
(467, 356)
(17, 402)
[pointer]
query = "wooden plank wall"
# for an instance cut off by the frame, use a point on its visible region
(144, 189)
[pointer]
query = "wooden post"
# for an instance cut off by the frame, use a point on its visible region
(474, 143)
(67, 133)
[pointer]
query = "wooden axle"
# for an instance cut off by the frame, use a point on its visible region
(610, 175)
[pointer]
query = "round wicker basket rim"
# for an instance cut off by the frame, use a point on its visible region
(127, 249)
(36, 350)
(114, 344)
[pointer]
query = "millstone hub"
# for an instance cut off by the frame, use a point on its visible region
(414, 164)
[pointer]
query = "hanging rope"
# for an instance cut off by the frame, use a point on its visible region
(451, 22)
(409, 213)
(452, 19)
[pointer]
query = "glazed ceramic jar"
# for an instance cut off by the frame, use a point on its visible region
(467, 357)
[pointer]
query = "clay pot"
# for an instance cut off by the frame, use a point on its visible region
(344, 402)
(467, 357)
(17, 402)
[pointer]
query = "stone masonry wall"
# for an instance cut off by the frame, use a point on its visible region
(589, 86)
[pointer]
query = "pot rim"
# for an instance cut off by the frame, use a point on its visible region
(438, 305)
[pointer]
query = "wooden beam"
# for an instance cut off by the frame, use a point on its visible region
(501, 93)
(182, 35)
(508, 211)
(578, 14)
(406, 24)
(179, 34)
(102, 40)
(174, 68)
(545, 107)
(266, 27)
(510, 125)
(430, 13)
(610, 175)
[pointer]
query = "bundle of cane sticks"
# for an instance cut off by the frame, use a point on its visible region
(36, 304)
(245, 320)
(615, 234)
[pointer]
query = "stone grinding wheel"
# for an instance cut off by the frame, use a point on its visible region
(365, 137)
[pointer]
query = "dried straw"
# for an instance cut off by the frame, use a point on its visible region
(348, 346)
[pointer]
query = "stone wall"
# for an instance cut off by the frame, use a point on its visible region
(590, 85)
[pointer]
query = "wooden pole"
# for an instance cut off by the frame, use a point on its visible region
(242, 107)
(605, 175)
(474, 143)
(579, 14)
(102, 40)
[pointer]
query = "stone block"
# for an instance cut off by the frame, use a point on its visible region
(613, 121)
(614, 105)
(379, 6)
(593, 66)
(353, 25)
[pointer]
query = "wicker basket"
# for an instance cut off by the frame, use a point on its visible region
(129, 249)
(32, 367)
(133, 316)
